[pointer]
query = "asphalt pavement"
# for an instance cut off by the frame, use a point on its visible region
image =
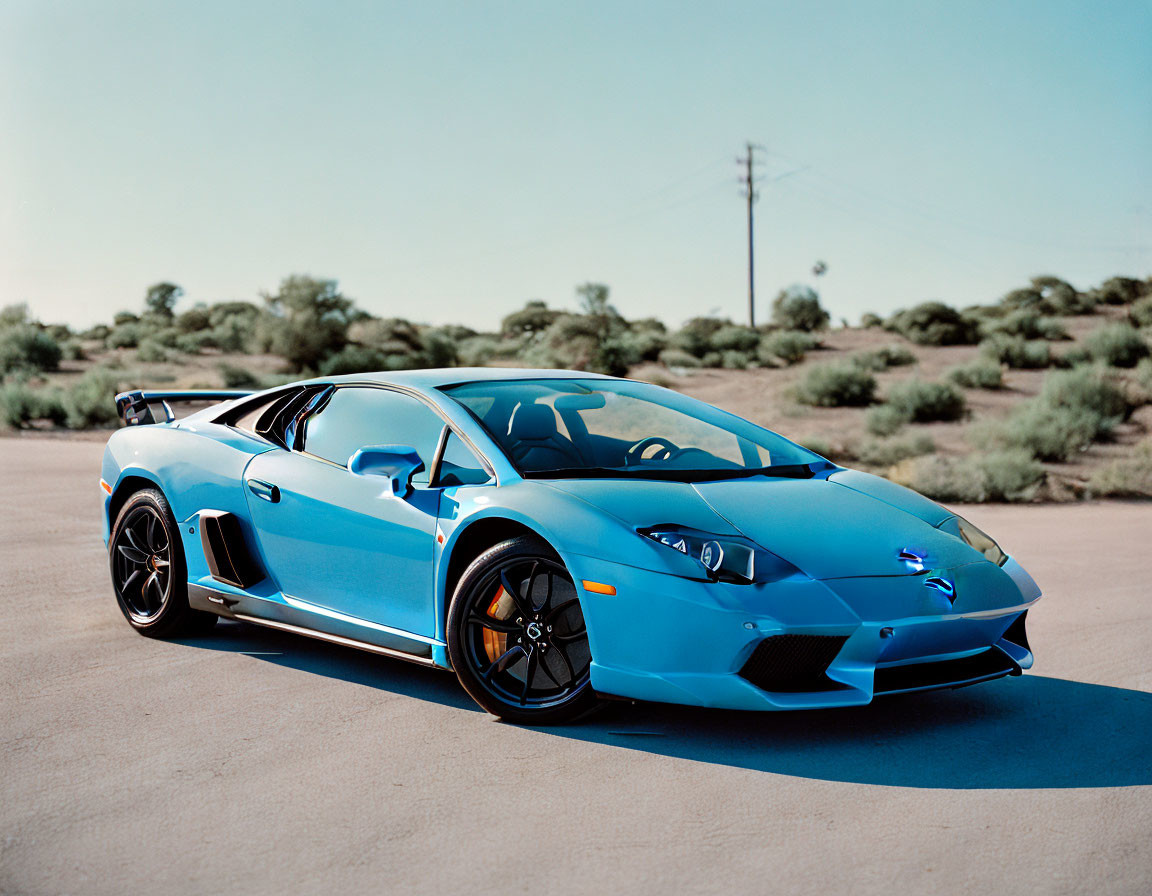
(252, 761)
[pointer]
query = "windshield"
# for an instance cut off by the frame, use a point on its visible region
(569, 428)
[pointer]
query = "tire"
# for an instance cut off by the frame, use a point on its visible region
(149, 578)
(517, 638)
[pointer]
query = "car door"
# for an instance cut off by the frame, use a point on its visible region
(342, 541)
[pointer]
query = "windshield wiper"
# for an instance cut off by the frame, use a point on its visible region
(786, 471)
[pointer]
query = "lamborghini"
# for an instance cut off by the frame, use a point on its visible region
(555, 539)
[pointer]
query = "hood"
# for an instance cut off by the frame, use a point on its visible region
(827, 529)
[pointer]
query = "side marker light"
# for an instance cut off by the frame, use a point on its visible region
(598, 588)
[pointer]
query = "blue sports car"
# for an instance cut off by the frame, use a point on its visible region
(554, 538)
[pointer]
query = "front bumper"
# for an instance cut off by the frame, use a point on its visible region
(674, 640)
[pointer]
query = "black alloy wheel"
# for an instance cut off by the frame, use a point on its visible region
(517, 638)
(147, 562)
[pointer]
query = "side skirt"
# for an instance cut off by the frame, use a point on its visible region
(336, 639)
(292, 615)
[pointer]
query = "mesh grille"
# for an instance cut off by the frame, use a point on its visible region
(992, 663)
(793, 663)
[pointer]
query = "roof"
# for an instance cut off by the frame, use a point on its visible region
(448, 376)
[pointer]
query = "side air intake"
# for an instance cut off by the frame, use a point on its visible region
(229, 559)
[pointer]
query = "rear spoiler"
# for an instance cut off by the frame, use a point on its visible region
(135, 408)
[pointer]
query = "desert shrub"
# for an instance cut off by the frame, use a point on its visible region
(439, 348)
(1089, 390)
(27, 347)
(90, 402)
(921, 402)
(643, 343)
(97, 333)
(998, 476)
(14, 316)
(1116, 344)
(194, 320)
(1061, 297)
(982, 373)
(735, 337)
(735, 360)
(1119, 291)
(195, 343)
(151, 352)
(798, 308)
(884, 420)
(1044, 432)
(788, 346)
(884, 357)
(934, 323)
(237, 327)
(361, 359)
(572, 342)
(1026, 298)
(1074, 408)
(534, 317)
(21, 405)
(476, 351)
(73, 350)
(869, 320)
(836, 385)
(676, 357)
(238, 377)
(1142, 383)
(1127, 477)
(1074, 356)
(1140, 314)
(695, 337)
(886, 452)
(126, 334)
(1027, 325)
(1017, 353)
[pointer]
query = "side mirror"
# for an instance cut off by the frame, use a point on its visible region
(396, 463)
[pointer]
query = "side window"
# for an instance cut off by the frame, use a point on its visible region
(358, 417)
(459, 466)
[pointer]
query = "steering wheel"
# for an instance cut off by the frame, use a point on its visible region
(635, 454)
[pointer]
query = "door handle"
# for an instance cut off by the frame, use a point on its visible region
(265, 490)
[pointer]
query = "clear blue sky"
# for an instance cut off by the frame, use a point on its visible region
(447, 162)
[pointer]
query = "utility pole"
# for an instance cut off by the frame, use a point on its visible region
(748, 182)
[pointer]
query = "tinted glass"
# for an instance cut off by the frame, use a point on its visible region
(358, 418)
(459, 466)
(574, 426)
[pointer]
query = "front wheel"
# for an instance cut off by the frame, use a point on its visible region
(517, 638)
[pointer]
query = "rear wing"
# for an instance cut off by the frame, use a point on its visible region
(138, 408)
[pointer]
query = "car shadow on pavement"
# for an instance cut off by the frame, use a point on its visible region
(1016, 733)
(334, 661)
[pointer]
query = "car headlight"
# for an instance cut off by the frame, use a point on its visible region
(722, 557)
(974, 538)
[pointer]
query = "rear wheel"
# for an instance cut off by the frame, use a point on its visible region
(148, 574)
(517, 638)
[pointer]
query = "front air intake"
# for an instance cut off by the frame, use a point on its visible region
(793, 663)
